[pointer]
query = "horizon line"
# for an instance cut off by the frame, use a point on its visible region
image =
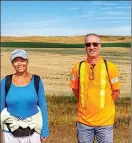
(65, 36)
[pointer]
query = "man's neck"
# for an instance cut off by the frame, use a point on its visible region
(92, 60)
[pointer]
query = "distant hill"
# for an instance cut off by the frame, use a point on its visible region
(63, 39)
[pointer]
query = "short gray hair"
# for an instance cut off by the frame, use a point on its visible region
(92, 34)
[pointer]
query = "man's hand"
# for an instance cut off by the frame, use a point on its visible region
(76, 92)
(115, 95)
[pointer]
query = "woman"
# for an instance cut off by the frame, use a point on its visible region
(23, 109)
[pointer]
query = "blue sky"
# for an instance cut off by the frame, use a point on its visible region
(65, 18)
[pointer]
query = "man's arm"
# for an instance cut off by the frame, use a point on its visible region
(74, 80)
(115, 95)
(114, 81)
(76, 92)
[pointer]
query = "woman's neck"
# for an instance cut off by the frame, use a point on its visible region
(22, 74)
(21, 79)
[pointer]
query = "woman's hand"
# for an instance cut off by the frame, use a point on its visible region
(43, 139)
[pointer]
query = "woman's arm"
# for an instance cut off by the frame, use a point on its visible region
(43, 107)
(2, 95)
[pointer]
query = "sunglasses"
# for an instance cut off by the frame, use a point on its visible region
(95, 44)
(91, 73)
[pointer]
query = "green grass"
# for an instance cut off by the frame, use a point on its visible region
(57, 45)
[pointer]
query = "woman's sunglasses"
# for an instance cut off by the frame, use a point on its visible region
(95, 44)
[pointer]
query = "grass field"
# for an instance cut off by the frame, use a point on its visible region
(62, 111)
(63, 39)
(54, 66)
(62, 119)
(58, 45)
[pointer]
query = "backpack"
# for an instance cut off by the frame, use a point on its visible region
(8, 81)
(105, 66)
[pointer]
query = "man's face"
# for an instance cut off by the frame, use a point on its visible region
(92, 46)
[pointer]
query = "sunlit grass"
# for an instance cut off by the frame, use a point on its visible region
(62, 119)
(62, 112)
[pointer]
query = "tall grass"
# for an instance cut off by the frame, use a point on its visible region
(62, 112)
(62, 120)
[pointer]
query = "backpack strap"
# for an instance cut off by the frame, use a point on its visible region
(79, 71)
(36, 83)
(106, 65)
(79, 68)
(8, 81)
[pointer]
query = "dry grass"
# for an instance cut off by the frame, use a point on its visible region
(62, 118)
(63, 39)
(62, 111)
(54, 66)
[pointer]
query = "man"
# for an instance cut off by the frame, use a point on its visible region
(96, 85)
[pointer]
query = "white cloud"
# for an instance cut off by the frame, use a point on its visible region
(32, 22)
(41, 32)
(115, 7)
(110, 21)
(116, 12)
(73, 8)
(115, 17)
(89, 14)
(106, 8)
(122, 7)
(126, 31)
(108, 4)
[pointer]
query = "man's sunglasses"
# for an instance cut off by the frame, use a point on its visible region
(95, 44)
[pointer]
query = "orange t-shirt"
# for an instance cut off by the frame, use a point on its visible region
(91, 113)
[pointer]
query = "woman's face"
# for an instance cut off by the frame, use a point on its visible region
(20, 64)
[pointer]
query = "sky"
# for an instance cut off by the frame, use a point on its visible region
(65, 18)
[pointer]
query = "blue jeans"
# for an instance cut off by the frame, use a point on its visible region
(86, 134)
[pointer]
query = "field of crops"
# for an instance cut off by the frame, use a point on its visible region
(58, 45)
